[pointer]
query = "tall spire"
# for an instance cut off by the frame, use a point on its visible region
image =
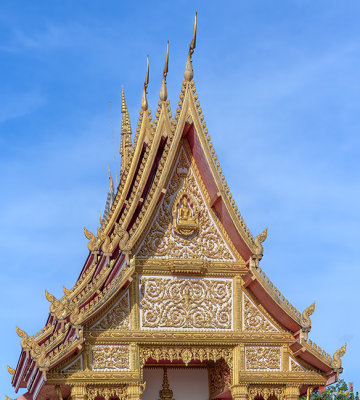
(144, 103)
(163, 90)
(189, 72)
(125, 146)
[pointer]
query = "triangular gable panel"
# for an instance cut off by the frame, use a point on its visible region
(75, 365)
(118, 317)
(183, 226)
(295, 366)
(253, 319)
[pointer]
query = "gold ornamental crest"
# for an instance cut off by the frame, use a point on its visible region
(185, 213)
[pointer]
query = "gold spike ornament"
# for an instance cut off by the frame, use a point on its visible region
(189, 72)
(163, 90)
(144, 103)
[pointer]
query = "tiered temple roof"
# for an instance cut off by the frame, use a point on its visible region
(115, 251)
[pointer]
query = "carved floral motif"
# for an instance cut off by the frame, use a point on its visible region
(106, 392)
(176, 303)
(263, 358)
(165, 240)
(266, 392)
(118, 317)
(185, 354)
(254, 319)
(110, 357)
(296, 367)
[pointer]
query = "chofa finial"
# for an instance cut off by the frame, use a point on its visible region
(189, 72)
(144, 103)
(163, 90)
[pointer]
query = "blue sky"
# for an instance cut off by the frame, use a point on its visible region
(279, 86)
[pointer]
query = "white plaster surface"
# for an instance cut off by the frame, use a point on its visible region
(186, 383)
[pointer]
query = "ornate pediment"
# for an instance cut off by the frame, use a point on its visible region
(184, 227)
(253, 319)
(118, 317)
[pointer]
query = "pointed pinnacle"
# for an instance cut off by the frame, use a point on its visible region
(111, 179)
(163, 90)
(144, 103)
(189, 72)
(123, 102)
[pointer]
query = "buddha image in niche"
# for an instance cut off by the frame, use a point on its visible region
(185, 222)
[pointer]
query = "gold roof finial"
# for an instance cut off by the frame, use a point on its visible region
(144, 103)
(163, 90)
(111, 179)
(189, 72)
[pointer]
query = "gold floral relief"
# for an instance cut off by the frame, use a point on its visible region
(183, 226)
(263, 358)
(106, 392)
(296, 367)
(186, 354)
(118, 317)
(254, 319)
(193, 303)
(266, 392)
(110, 357)
(219, 378)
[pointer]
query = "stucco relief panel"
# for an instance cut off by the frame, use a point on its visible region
(118, 317)
(263, 358)
(253, 319)
(110, 357)
(186, 304)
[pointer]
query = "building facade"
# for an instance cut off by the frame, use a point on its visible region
(171, 302)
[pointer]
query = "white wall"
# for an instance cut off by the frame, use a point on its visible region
(187, 383)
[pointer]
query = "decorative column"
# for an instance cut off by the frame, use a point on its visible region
(78, 392)
(134, 391)
(292, 392)
(239, 392)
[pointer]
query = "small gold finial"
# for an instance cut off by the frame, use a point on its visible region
(163, 90)
(100, 217)
(110, 178)
(11, 371)
(189, 72)
(144, 103)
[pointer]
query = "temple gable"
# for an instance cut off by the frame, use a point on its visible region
(118, 317)
(183, 226)
(253, 319)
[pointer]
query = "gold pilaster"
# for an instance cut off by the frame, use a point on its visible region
(284, 358)
(78, 392)
(239, 392)
(135, 391)
(237, 304)
(134, 304)
(292, 392)
(236, 365)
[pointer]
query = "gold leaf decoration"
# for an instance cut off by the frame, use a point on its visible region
(263, 358)
(163, 241)
(254, 319)
(110, 357)
(118, 317)
(168, 303)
